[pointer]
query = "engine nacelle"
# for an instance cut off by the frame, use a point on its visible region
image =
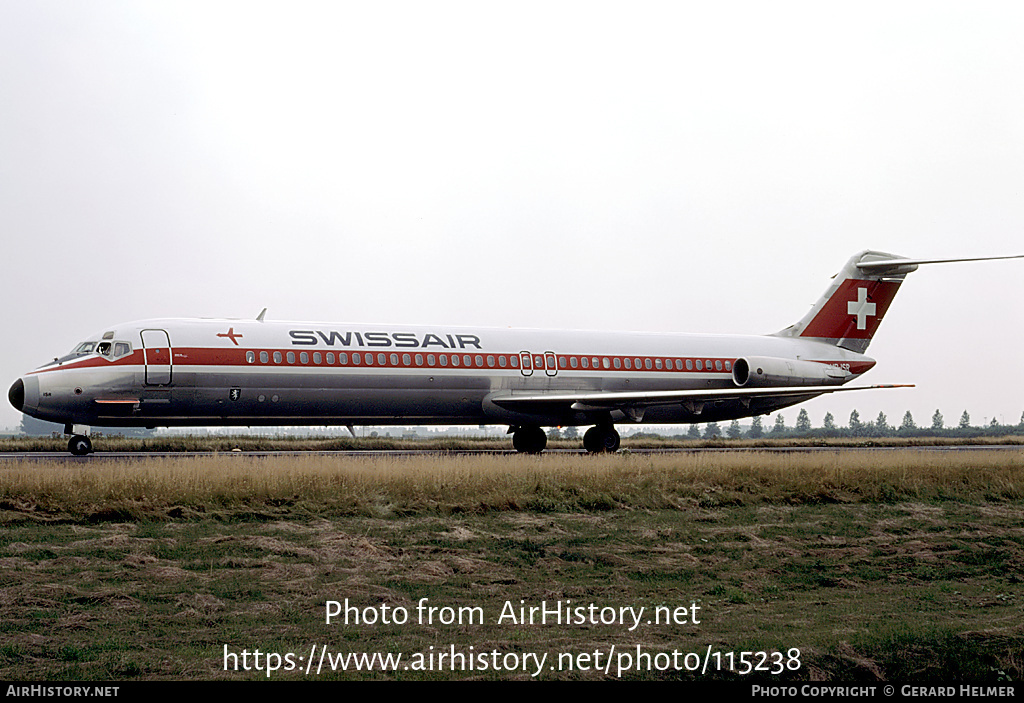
(761, 371)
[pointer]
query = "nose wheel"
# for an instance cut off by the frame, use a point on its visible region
(80, 445)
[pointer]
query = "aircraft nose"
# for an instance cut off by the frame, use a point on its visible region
(17, 395)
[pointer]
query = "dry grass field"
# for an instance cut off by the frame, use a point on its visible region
(896, 565)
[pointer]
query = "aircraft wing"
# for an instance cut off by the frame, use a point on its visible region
(598, 400)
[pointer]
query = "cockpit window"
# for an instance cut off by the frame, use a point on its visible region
(81, 350)
(113, 350)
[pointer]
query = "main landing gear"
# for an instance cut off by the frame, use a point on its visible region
(531, 439)
(602, 438)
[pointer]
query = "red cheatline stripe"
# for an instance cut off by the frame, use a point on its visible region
(136, 358)
(855, 367)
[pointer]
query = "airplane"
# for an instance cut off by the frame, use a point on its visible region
(230, 372)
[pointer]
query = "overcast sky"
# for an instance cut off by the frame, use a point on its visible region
(671, 167)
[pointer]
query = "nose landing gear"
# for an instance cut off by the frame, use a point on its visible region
(80, 445)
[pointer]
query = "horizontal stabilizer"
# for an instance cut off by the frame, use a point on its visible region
(885, 265)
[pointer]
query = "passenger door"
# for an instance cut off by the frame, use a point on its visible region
(157, 346)
(545, 362)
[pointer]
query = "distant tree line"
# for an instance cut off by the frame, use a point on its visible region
(854, 427)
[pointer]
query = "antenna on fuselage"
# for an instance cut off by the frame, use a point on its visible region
(259, 318)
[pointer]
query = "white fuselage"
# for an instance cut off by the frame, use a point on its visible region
(174, 372)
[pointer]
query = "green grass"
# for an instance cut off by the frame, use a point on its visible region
(926, 587)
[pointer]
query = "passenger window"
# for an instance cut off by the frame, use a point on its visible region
(317, 359)
(291, 357)
(304, 357)
(250, 357)
(277, 357)
(264, 357)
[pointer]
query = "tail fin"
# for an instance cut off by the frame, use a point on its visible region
(850, 311)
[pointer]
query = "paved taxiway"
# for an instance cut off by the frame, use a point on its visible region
(62, 458)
